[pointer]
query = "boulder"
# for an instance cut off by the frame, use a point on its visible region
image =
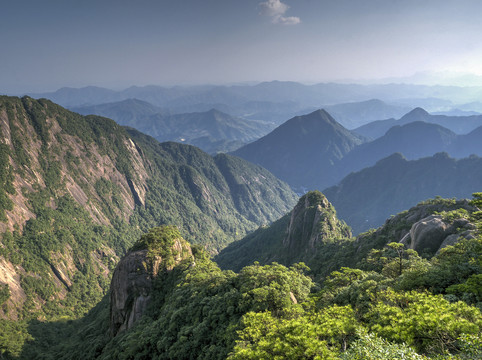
(432, 233)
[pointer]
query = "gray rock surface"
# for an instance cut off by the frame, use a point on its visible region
(432, 233)
(132, 283)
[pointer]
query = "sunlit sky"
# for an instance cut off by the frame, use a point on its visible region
(48, 44)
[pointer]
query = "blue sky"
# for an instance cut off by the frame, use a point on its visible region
(53, 43)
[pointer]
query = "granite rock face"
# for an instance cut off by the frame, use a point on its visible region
(132, 284)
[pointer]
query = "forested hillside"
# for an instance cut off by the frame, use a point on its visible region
(77, 191)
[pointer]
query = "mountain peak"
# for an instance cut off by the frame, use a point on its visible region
(314, 141)
(417, 114)
(313, 221)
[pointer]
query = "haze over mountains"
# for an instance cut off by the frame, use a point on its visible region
(314, 151)
(458, 124)
(77, 190)
(306, 153)
(171, 201)
(285, 99)
(213, 131)
(365, 199)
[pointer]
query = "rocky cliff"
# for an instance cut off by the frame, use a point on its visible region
(134, 276)
(313, 222)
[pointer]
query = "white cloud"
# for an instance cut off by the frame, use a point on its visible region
(290, 20)
(276, 9)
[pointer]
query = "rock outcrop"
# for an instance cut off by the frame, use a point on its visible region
(313, 221)
(432, 233)
(134, 276)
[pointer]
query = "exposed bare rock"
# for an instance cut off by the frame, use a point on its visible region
(10, 275)
(428, 233)
(433, 233)
(313, 220)
(132, 284)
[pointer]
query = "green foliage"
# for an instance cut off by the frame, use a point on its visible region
(267, 337)
(470, 291)
(426, 322)
(65, 238)
(212, 200)
(13, 335)
(310, 233)
(373, 347)
(273, 287)
(471, 346)
(197, 310)
(453, 265)
(194, 313)
(477, 201)
(6, 179)
(4, 293)
(160, 242)
(450, 216)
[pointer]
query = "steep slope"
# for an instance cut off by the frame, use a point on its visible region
(303, 151)
(376, 129)
(458, 124)
(414, 140)
(366, 198)
(77, 190)
(310, 228)
(216, 199)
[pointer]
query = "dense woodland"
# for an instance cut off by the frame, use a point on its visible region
(298, 287)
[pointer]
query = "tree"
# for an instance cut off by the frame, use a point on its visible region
(427, 322)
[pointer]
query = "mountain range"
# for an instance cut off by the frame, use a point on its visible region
(212, 131)
(355, 114)
(275, 91)
(314, 151)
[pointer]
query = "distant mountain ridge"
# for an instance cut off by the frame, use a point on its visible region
(127, 112)
(365, 199)
(314, 151)
(212, 131)
(297, 236)
(414, 140)
(458, 124)
(355, 114)
(274, 91)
